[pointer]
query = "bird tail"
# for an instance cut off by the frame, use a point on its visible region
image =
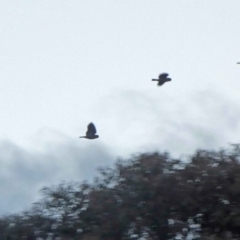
(82, 137)
(155, 79)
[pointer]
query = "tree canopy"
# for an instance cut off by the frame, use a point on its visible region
(148, 196)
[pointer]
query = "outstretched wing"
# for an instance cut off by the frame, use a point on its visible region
(163, 75)
(91, 131)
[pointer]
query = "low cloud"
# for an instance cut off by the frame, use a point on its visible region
(24, 172)
(165, 121)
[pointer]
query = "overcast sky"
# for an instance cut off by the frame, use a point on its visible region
(64, 64)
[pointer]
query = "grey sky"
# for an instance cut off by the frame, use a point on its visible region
(66, 63)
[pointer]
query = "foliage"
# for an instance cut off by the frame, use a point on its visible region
(149, 196)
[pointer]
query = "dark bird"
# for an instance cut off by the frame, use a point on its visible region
(162, 78)
(91, 132)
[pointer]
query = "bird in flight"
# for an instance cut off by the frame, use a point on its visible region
(162, 78)
(91, 132)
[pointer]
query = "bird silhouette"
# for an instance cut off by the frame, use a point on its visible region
(91, 132)
(162, 78)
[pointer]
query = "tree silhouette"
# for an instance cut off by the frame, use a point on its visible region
(148, 196)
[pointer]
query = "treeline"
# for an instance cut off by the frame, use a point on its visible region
(149, 196)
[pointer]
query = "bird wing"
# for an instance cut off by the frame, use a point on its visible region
(163, 75)
(91, 130)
